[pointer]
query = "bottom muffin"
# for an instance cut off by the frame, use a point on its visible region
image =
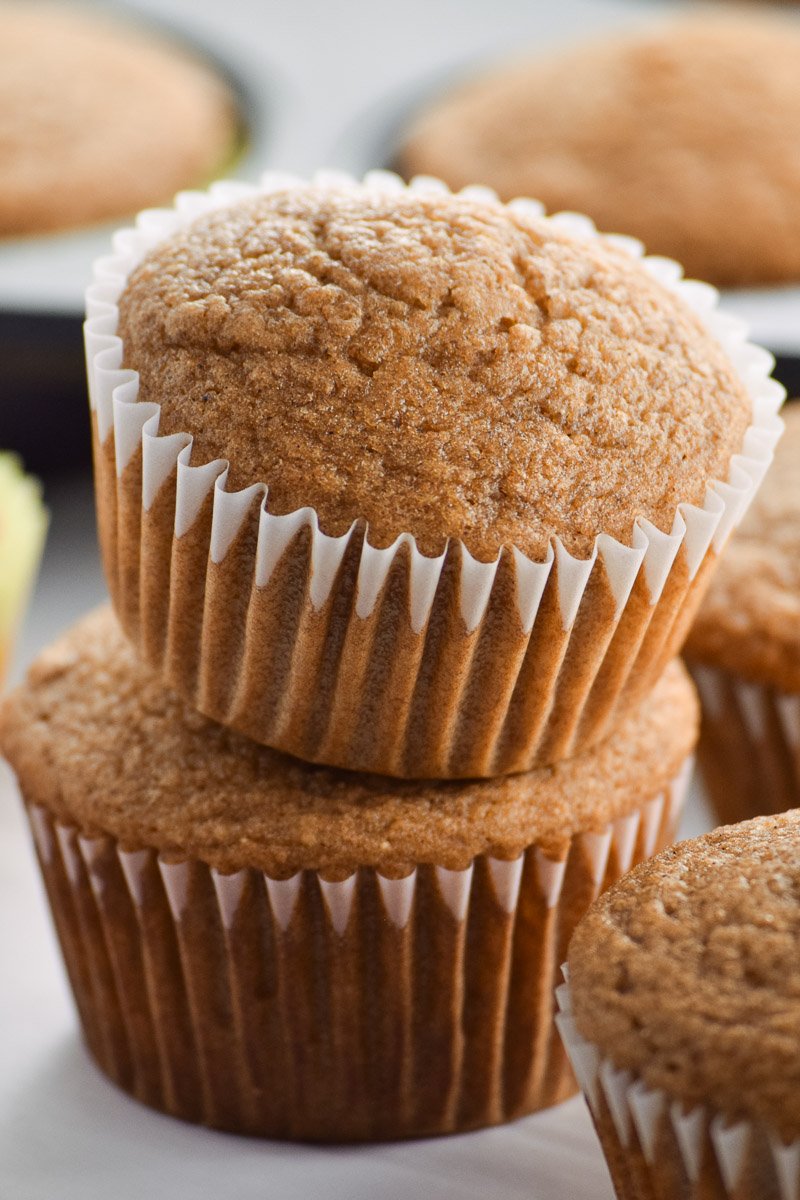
(300, 952)
(682, 1018)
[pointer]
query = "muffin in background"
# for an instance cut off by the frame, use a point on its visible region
(683, 135)
(485, 460)
(744, 651)
(291, 951)
(23, 524)
(681, 1015)
(100, 117)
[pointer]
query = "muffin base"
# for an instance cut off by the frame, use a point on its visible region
(655, 1150)
(356, 1010)
(749, 749)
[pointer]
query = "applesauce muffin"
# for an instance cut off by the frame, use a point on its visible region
(681, 134)
(295, 951)
(469, 444)
(683, 1009)
(100, 117)
(744, 652)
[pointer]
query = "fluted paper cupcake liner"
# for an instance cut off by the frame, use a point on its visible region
(362, 1009)
(384, 659)
(749, 750)
(657, 1149)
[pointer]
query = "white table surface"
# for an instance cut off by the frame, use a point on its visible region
(336, 73)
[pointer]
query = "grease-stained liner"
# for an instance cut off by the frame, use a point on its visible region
(658, 1150)
(749, 749)
(387, 660)
(366, 1008)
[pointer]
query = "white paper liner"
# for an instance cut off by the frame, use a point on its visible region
(638, 1114)
(749, 744)
(159, 950)
(651, 555)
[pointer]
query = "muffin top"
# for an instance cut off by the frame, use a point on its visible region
(682, 135)
(99, 118)
(749, 622)
(685, 972)
(97, 740)
(433, 365)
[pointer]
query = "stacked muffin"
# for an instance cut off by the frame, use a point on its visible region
(423, 489)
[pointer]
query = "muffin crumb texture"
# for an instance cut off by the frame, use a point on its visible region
(432, 365)
(102, 744)
(686, 972)
(682, 135)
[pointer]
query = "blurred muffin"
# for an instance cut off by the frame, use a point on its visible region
(744, 652)
(293, 951)
(683, 135)
(23, 523)
(473, 446)
(99, 118)
(682, 1016)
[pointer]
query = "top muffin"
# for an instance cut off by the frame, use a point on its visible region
(99, 118)
(683, 135)
(432, 364)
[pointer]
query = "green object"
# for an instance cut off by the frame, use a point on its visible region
(23, 524)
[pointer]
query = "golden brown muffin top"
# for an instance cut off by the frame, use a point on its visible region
(682, 135)
(433, 365)
(685, 972)
(98, 741)
(99, 118)
(749, 622)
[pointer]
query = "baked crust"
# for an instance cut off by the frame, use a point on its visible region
(433, 365)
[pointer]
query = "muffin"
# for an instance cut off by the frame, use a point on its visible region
(683, 135)
(744, 652)
(408, 482)
(682, 1017)
(299, 952)
(23, 524)
(99, 118)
